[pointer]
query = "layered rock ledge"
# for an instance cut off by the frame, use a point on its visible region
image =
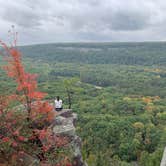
(64, 124)
(163, 161)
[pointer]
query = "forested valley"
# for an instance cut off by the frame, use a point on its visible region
(118, 91)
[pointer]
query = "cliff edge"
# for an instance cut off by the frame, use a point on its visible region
(163, 161)
(64, 124)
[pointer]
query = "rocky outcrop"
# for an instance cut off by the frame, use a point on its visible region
(64, 124)
(163, 161)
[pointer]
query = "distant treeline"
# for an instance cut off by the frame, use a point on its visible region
(146, 53)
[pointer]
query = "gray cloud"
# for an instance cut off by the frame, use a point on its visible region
(84, 20)
(129, 20)
(21, 17)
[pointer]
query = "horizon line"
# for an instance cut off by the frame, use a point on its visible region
(92, 42)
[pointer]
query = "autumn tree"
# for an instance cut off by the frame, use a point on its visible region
(25, 131)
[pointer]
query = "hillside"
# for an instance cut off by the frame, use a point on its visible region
(153, 53)
(118, 91)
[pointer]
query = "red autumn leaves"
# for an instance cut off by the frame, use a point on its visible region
(26, 84)
(15, 130)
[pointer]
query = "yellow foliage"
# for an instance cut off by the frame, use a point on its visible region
(153, 70)
(149, 108)
(138, 125)
(156, 98)
(157, 70)
(127, 99)
(138, 136)
(149, 100)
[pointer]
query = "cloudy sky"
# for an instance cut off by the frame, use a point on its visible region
(43, 21)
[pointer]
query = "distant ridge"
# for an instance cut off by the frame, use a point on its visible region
(139, 53)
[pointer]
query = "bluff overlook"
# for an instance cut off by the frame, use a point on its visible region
(64, 124)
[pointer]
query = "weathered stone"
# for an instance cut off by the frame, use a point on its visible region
(76, 144)
(59, 120)
(163, 161)
(65, 113)
(75, 117)
(64, 125)
(68, 129)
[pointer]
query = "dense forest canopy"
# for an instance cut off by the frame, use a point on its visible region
(100, 53)
(118, 91)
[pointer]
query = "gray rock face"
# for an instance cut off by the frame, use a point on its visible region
(64, 124)
(66, 129)
(77, 153)
(163, 161)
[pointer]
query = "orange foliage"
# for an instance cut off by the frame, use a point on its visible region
(28, 95)
(147, 99)
(26, 83)
(33, 100)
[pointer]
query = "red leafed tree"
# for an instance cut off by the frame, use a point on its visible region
(15, 134)
(26, 82)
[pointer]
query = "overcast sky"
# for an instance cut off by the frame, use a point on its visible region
(43, 21)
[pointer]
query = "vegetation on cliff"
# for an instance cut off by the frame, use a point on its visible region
(25, 136)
